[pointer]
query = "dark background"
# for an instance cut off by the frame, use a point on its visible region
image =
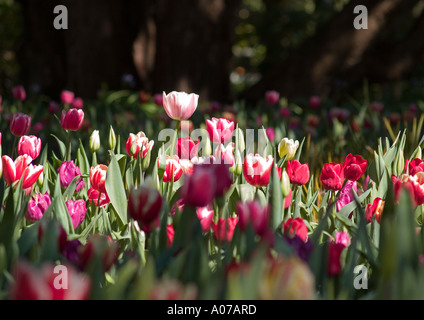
(220, 49)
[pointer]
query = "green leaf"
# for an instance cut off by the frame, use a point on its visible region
(276, 200)
(116, 190)
(62, 146)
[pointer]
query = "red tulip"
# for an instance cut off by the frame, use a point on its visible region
(144, 205)
(224, 229)
(220, 130)
(256, 214)
(334, 263)
(20, 124)
(354, 167)
(257, 169)
(72, 119)
(42, 284)
(93, 197)
(332, 176)
(272, 97)
(374, 209)
(20, 168)
(19, 93)
(98, 177)
(170, 232)
(173, 169)
(314, 102)
(186, 148)
(138, 144)
(415, 166)
(29, 145)
(296, 227)
(298, 173)
(198, 190)
(101, 248)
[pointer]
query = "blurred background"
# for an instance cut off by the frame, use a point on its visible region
(221, 49)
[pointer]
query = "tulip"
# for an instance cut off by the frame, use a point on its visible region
(332, 176)
(270, 132)
(374, 209)
(415, 166)
(77, 210)
(272, 97)
(60, 233)
(94, 141)
(377, 106)
(186, 148)
(53, 107)
(29, 145)
(256, 214)
(346, 195)
(173, 169)
(314, 102)
(187, 166)
(180, 105)
(412, 186)
(112, 139)
(42, 284)
(220, 130)
(67, 97)
(20, 124)
(285, 183)
(20, 168)
(298, 173)
(38, 127)
(37, 206)
(78, 103)
(288, 147)
(72, 119)
(199, 189)
(285, 112)
(334, 263)
(296, 227)
(205, 215)
(67, 172)
(144, 204)
(19, 93)
(93, 197)
(99, 248)
(98, 177)
(342, 238)
(138, 145)
(257, 169)
(170, 233)
(288, 199)
(225, 154)
(224, 229)
(354, 167)
(158, 99)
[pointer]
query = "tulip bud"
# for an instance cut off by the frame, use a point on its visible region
(241, 143)
(207, 151)
(288, 147)
(40, 180)
(285, 183)
(146, 161)
(94, 142)
(400, 165)
(238, 164)
(112, 139)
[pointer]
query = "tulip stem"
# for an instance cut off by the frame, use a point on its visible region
(68, 151)
(175, 137)
(15, 142)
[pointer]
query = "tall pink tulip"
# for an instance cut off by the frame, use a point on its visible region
(220, 130)
(20, 124)
(72, 119)
(30, 145)
(180, 105)
(257, 169)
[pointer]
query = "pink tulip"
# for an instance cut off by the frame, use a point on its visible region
(20, 124)
(224, 229)
(186, 148)
(78, 103)
(67, 172)
(257, 169)
(205, 215)
(19, 93)
(72, 119)
(346, 194)
(342, 238)
(270, 132)
(37, 206)
(272, 97)
(67, 97)
(13, 171)
(29, 145)
(198, 190)
(314, 102)
(220, 130)
(138, 145)
(53, 107)
(180, 105)
(77, 210)
(334, 264)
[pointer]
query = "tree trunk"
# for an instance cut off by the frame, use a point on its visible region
(338, 57)
(180, 45)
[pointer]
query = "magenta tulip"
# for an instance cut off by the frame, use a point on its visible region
(72, 119)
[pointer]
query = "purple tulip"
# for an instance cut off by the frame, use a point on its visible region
(77, 210)
(37, 206)
(67, 172)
